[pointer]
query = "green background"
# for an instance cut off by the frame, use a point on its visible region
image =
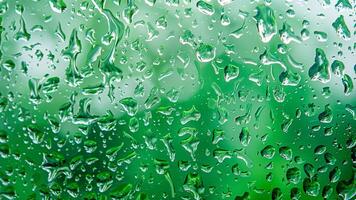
(44, 169)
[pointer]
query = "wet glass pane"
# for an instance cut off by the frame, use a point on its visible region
(177, 99)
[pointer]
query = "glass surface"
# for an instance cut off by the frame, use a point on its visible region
(177, 99)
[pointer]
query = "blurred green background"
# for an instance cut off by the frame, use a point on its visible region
(177, 99)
